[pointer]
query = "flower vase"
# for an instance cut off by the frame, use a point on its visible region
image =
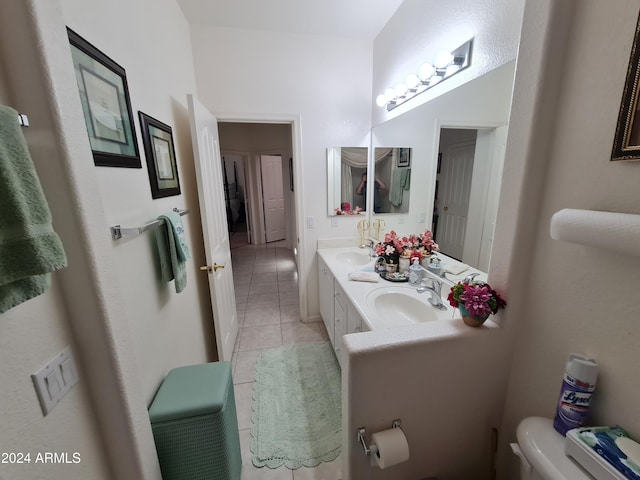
(392, 263)
(471, 320)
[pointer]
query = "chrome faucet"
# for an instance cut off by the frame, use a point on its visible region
(369, 244)
(469, 278)
(434, 287)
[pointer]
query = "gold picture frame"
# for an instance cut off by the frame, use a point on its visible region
(626, 144)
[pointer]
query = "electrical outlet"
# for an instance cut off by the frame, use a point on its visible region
(311, 222)
(423, 217)
(401, 219)
(334, 221)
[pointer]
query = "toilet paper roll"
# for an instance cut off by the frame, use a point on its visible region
(614, 232)
(392, 447)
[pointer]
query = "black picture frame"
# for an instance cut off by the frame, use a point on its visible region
(159, 150)
(404, 157)
(626, 143)
(104, 94)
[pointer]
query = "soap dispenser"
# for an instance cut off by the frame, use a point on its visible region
(435, 266)
(415, 273)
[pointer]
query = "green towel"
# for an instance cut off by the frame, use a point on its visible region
(172, 250)
(405, 178)
(29, 248)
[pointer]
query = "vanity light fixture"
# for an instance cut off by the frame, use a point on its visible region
(445, 65)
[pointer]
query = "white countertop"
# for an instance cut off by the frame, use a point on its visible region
(357, 292)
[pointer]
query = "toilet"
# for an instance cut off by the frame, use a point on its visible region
(541, 452)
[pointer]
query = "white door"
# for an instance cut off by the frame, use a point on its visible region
(273, 197)
(208, 162)
(455, 185)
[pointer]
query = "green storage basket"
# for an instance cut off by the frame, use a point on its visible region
(195, 426)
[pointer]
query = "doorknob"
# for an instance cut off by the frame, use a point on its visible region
(210, 268)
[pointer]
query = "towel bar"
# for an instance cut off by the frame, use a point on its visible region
(117, 232)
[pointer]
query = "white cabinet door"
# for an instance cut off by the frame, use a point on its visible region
(325, 281)
(354, 320)
(340, 329)
(341, 305)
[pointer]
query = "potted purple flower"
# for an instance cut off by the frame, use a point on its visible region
(476, 301)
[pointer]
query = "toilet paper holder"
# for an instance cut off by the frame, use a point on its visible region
(373, 448)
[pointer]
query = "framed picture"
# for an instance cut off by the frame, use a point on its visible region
(104, 95)
(157, 139)
(404, 157)
(626, 144)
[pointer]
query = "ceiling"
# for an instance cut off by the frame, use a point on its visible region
(343, 18)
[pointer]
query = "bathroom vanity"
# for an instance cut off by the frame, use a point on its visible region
(348, 306)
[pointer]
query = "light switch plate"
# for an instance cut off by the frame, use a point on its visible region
(55, 379)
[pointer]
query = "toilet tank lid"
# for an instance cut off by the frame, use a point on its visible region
(544, 449)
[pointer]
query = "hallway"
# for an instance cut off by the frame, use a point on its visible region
(266, 287)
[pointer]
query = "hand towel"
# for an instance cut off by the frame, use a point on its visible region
(175, 221)
(364, 277)
(455, 268)
(172, 250)
(29, 248)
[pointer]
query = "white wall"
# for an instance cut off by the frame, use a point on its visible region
(168, 329)
(575, 298)
(129, 329)
(326, 81)
(421, 28)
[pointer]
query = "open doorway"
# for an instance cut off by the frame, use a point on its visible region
(263, 150)
(233, 171)
(468, 175)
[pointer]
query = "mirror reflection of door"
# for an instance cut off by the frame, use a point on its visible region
(273, 197)
(454, 186)
(466, 194)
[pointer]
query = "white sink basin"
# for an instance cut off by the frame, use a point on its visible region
(399, 306)
(353, 258)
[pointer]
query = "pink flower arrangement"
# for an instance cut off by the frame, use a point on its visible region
(478, 298)
(414, 246)
(347, 210)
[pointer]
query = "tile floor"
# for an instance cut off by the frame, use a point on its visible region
(266, 286)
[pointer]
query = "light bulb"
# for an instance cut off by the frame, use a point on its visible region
(401, 89)
(390, 94)
(381, 100)
(412, 81)
(426, 71)
(443, 59)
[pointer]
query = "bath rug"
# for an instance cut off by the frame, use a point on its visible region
(297, 411)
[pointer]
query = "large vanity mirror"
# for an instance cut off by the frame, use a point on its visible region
(347, 170)
(457, 153)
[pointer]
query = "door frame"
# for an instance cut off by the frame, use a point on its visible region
(299, 241)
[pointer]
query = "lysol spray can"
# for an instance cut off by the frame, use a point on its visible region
(578, 385)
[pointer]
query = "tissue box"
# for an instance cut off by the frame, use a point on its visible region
(595, 449)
